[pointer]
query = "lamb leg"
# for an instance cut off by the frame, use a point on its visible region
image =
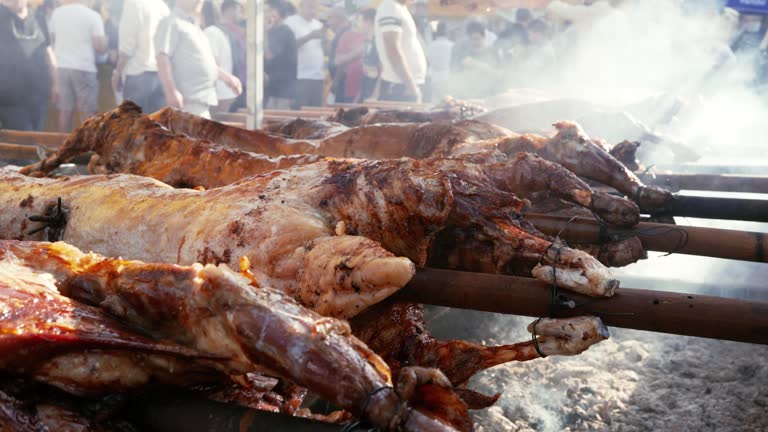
(397, 332)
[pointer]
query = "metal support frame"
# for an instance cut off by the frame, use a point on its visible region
(255, 61)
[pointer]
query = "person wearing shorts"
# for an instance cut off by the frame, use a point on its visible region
(78, 90)
(78, 35)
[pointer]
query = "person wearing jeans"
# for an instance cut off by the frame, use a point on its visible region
(136, 71)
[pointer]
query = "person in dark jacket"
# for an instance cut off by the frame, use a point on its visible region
(27, 67)
(280, 57)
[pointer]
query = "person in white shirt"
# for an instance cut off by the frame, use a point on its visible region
(136, 71)
(404, 64)
(78, 34)
(222, 52)
(185, 61)
(440, 52)
(310, 73)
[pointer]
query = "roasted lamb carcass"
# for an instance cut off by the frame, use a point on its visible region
(80, 349)
(288, 242)
(125, 141)
(285, 221)
(404, 204)
(83, 351)
(448, 109)
(573, 149)
(215, 311)
(570, 147)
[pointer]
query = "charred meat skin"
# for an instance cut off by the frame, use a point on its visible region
(80, 349)
(289, 240)
(125, 141)
(284, 222)
(570, 147)
(214, 310)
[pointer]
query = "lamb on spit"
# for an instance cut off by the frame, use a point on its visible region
(123, 129)
(125, 132)
(570, 147)
(219, 313)
(125, 141)
(286, 224)
(78, 348)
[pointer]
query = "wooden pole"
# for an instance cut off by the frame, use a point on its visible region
(709, 182)
(711, 242)
(51, 140)
(19, 152)
(657, 311)
(754, 210)
(255, 60)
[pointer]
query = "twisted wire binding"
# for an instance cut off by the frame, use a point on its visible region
(535, 339)
(362, 422)
(54, 222)
(557, 300)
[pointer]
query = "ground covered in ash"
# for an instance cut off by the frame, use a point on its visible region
(634, 381)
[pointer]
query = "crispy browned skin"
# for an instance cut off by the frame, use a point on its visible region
(303, 129)
(361, 116)
(380, 141)
(127, 141)
(284, 223)
(80, 349)
(180, 161)
(571, 147)
(254, 141)
(216, 311)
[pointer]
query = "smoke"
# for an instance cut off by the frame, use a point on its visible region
(665, 66)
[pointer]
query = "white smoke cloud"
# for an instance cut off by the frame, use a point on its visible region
(648, 59)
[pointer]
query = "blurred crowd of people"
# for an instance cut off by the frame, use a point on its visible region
(192, 55)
